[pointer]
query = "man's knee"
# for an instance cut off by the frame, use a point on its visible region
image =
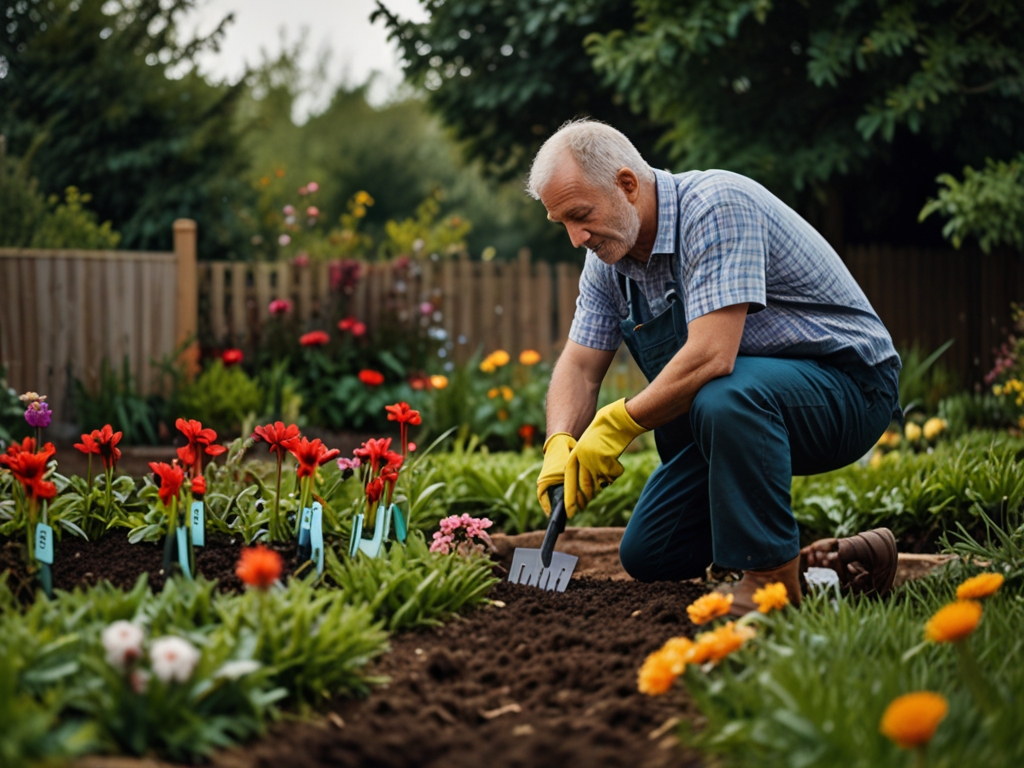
(637, 561)
(722, 401)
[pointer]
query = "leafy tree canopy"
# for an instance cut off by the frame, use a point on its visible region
(105, 97)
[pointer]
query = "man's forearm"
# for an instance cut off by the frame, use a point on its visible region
(572, 399)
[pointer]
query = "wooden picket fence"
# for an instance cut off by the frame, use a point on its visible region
(482, 305)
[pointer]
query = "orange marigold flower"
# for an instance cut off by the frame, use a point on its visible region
(716, 645)
(507, 392)
(656, 675)
(680, 651)
(953, 622)
(259, 567)
(529, 357)
(911, 719)
(710, 606)
(771, 597)
(438, 382)
(982, 585)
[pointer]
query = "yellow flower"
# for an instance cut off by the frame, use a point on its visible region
(708, 607)
(529, 357)
(771, 597)
(507, 393)
(363, 198)
(656, 675)
(982, 585)
(493, 392)
(912, 432)
(889, 439)
(438, 381)
(678, 650)
(502, 415)
(359, 211)
(876, 460)
(953, 622)
(488, 366)
(910, 720)
(279, 172)
(264, 181)
(933, 428)
(715, 646)
(499, 357)
(997, 390)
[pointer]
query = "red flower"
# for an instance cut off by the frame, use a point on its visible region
(527, 433)
(311, 455)
(231, 356)
(27, 445)
(346, 324)
(403, 414)
(88, 445)
(197, 438)
(28, 467)
(314, 339)
(199, 486)
(259, 567)
(374, 490)
(279, 437)
(359, 329)
(169, 479)
(371, 378)
(393, 460)
(106, 440)
(372, 451)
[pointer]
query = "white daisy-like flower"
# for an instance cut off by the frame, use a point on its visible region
(173, 658)
(122, 642)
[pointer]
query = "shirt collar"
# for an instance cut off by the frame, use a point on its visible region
(668, 212)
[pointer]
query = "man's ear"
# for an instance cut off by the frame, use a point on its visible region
(629, 183)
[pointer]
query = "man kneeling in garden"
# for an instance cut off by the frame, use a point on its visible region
(764, 358)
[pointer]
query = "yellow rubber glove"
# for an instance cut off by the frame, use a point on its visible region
(556, 454)
(594, 462)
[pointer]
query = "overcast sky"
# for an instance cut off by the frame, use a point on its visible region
(344, 25)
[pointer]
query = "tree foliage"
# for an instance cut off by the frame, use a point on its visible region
(107, 95)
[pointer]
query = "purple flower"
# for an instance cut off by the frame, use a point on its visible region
(38, 414)
(344, 464)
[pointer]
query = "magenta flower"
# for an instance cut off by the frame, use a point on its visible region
(344, 464)
(38, 415)
(426, 308)
(280, 307)
(301, 259)
(312, 187)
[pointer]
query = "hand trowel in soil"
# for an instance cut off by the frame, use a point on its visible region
(544, 567)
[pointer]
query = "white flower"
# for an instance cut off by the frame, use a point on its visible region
(232, 670)
(173, 658)
(122, 642)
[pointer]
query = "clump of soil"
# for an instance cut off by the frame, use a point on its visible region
(547, 681)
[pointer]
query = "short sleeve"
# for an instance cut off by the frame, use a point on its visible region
(725, 254)
(598, 309)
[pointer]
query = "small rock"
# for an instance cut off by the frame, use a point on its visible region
(508, 709)
(498, 603)
(523, 730)
(418, 651)
(336, 720)
(634, 614)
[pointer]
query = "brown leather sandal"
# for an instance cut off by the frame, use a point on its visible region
(866, 563)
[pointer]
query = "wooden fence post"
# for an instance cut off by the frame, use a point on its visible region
(187, 323)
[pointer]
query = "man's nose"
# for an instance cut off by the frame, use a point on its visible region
(577, 235)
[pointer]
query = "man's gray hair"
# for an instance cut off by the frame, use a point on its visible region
(599, 150)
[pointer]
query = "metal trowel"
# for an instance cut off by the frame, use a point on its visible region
(544, 567)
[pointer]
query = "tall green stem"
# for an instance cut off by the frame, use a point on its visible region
(275, 524)
(981, 691)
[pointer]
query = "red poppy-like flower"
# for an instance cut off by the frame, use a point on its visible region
(373, 451)
(280, 307)
(197, 438)
(28, 467)
(347, 323)
(359, 329)
(106, 440)
(527, 432)
(371, 378)
(403, 414)
(393, 460)
(199, 486)
(88, 445)
(231, 356)
(280, 438)
(314, 339)
(169, 479)
(374, 490)
(259, 567)
(27, 445)
(310, 455)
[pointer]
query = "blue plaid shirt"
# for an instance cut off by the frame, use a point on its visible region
(734, 242)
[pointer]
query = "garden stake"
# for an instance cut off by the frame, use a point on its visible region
(198, 525)
(305, 525)
(44, 553)
(545, 568)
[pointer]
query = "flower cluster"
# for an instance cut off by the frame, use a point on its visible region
(463, 535)
(29, 467)
(494, 361)
(171, 659)
(381, 467)
(661, 668)
(102, 443)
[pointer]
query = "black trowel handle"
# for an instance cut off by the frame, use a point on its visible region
(555, 525)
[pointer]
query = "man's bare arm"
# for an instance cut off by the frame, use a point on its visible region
(712, 343)
(575, 383)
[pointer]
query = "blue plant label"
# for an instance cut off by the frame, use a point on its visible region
(44, 543)
(183, 551)
(304, 525)
(357, 534)
(400, 529)
(316, 536)
(198, 524)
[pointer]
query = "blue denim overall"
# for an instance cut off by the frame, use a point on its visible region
(722, 492)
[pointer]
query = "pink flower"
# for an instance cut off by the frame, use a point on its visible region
(412, 447)
(426, 308)
(280, 307)
(289, 210)
(312, 187)
(344, 464)
(303, 191)
(312, 211)
(358, 329)
(301, 259)
(284, 240)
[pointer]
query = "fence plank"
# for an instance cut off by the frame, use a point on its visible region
(239, 308)
(304, 294)
(263, 293)
(218, 295)
(527, 306)
(545, 312)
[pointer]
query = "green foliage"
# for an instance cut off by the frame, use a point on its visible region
(105, 96)
(12, 413)
(117, 402)
(988, 204)
(924, 380)
(221, 397)
(411, 587)
(965, 411)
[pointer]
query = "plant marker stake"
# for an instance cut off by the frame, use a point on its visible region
(357, 533)
(316, 537)
(372, 547)
(183, 551)
(400, 528)
(304, 540)
(44, 553)
(198, 524)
